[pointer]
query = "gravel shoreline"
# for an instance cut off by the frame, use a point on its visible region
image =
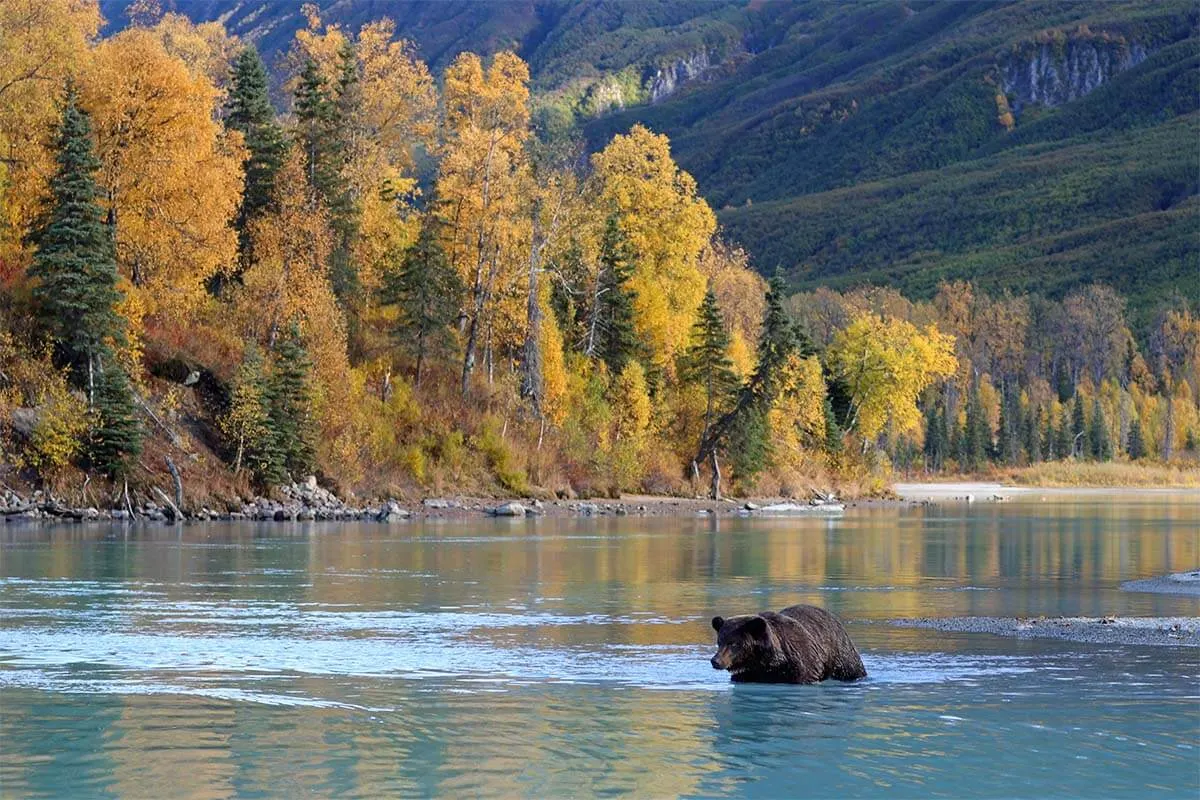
(308, 502)
(1154, 631)
(1185, 583)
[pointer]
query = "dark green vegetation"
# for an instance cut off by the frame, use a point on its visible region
(1028, 145)
(77, 293)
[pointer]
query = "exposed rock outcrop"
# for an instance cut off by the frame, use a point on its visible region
(667, 79)
(1053, 73)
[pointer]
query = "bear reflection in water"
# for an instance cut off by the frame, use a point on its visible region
(801, 644)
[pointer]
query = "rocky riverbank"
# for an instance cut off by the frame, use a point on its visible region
(309, 502)
(1159, 631)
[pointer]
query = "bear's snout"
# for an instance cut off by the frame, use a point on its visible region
(716, 664)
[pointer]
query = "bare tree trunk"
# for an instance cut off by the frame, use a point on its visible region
(716, 476)
(420, 358)
(129, 505)
(531, 357)
(177, 481)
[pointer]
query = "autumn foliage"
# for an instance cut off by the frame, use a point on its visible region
(295, 298)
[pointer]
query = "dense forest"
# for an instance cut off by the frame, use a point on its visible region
(1025, 145)
(190, 275)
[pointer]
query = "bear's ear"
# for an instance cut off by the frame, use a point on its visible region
(717, 622)
(756, 627)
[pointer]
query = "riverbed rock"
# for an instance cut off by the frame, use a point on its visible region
(391, 511)
(512, 509)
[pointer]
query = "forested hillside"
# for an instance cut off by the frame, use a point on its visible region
(406, 279)
(1068, 127)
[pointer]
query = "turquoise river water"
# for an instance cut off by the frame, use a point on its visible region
(569, 657)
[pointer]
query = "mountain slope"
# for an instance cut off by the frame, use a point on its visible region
(1031, 144)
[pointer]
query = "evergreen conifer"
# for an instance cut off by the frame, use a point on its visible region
(615, 339)
(247, 423)
(1137, 441)
(249, 111)
(707, 361)
(115, 438)
(1099, 442)
(935, 452)
(1033, 434)
(290, 418)
(428, 292)
(75, 263)
(1078, 427)
(834, 441)
(1064, 440)
(977, 437)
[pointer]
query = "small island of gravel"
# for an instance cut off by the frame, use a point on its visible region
(1155, 631)
(1179, 583)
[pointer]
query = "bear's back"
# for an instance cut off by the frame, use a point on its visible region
(822, 646)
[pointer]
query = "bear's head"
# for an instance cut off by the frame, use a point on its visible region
(744, 643)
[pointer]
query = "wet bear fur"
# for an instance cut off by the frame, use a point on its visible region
(800, 644)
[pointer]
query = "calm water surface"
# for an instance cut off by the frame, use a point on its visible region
(549, 657)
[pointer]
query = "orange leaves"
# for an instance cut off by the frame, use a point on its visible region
(172, 178)
(41, 42)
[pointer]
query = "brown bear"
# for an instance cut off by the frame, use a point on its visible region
(801, 644)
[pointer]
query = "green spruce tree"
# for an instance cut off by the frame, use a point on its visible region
(1099, 442)
(428, 293)
(977, 434)
(75, 265)
(344, 215)
(1032, 431)
(706, 361)
(323, 118)
(1008, 444)
(612, 336)
(1078, 428)
(249, 111)
(1064, 439)
(115, 437)
(935, 451)
(749, 444)
(779, 340)
(834, 437)
(1137, 440)
(290, 416)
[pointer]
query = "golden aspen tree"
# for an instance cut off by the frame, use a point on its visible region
(205, 48)
(630, 400)
(886, 364)
(171, 175)
(392, 112)
(740, 292)
(41, 43)
(667, 225)
(485, 125)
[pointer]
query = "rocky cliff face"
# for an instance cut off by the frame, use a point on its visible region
(667, 79)
(1059, 72)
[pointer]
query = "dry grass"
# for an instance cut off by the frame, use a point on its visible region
(1109, 474)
